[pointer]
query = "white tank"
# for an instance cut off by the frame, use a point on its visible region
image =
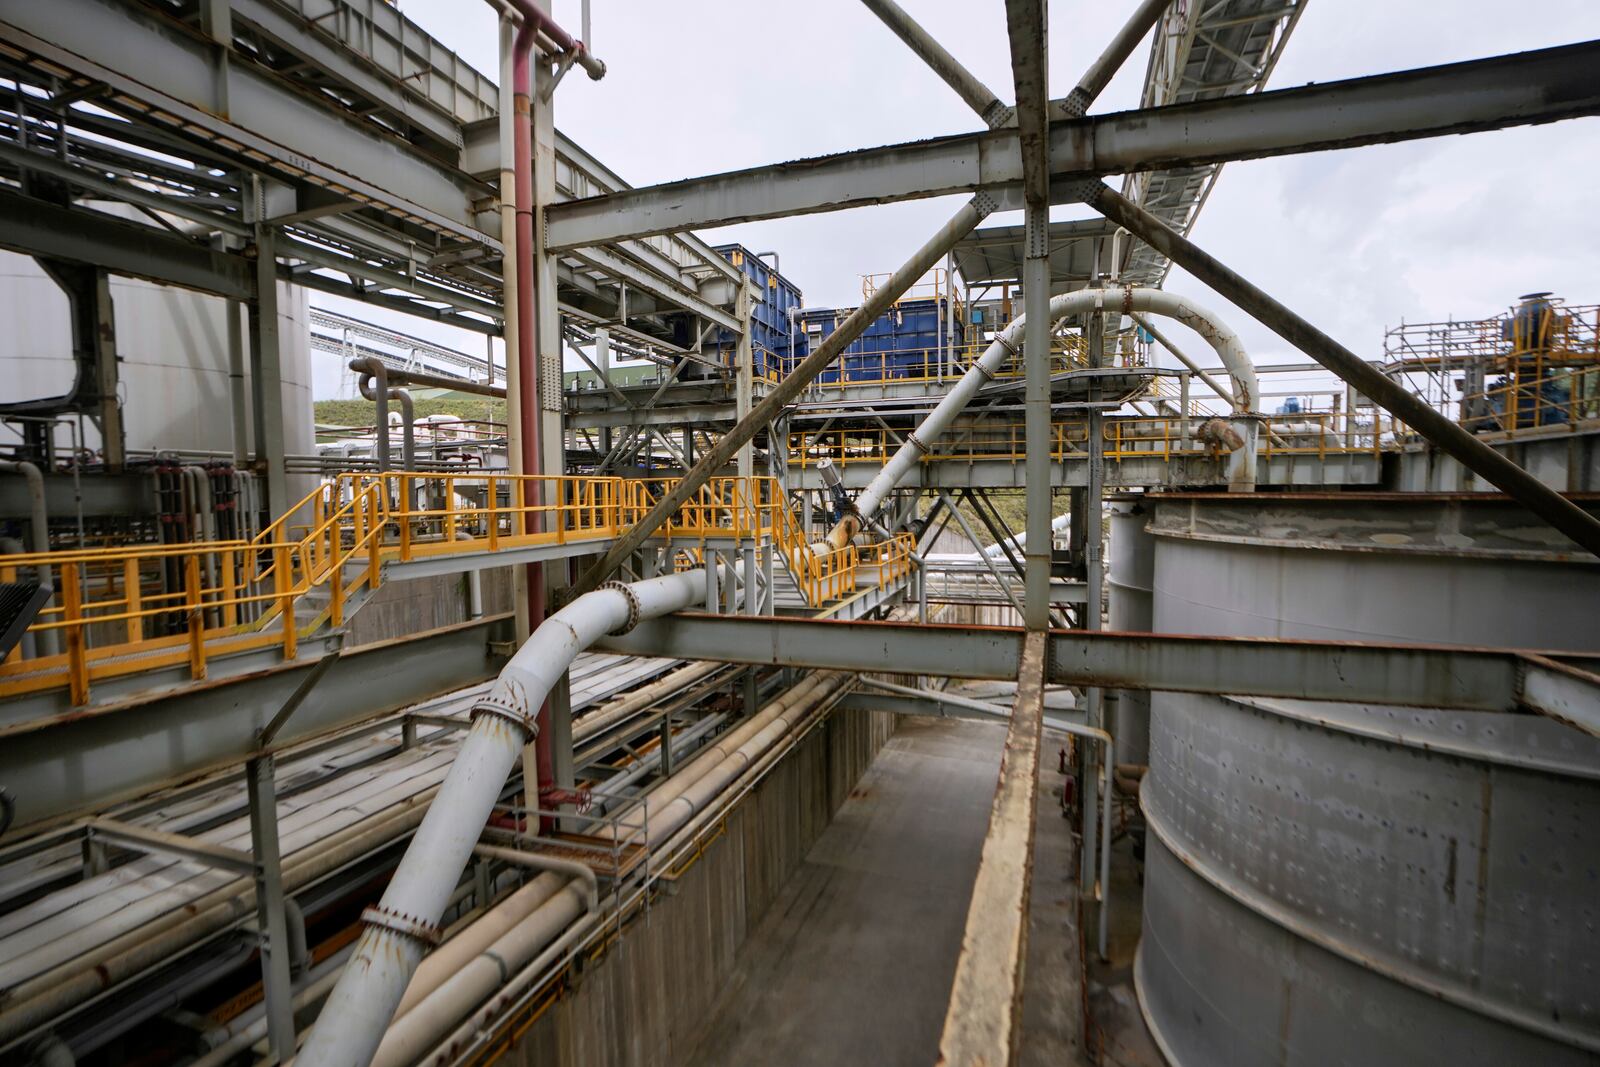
(173, 345)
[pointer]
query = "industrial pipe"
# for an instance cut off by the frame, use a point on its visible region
(604, 716)
(408, 435)
(373, 368)
(52, 992)
(46, 642)
(1155, 301)
(322, 978)
(464, 985)
(402, 926)
(1372, 383)
(478, 935)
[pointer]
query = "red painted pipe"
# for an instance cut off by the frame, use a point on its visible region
(534, 22)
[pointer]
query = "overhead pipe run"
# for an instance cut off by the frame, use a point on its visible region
(403, 924)
(1372, 383)
(919, 442)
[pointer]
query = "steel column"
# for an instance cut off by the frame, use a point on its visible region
(261, 785)
(266, 372)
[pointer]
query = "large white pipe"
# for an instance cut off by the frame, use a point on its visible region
(523, 932)
(402, 926)
(919, 442)
(419, 1029)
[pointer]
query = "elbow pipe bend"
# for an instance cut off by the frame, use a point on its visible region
(372, 370)
(1127, 301)
(404, 923)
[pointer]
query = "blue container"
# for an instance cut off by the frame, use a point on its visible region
(902, 343)
(771, 332)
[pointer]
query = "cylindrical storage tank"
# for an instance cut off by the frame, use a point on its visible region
(1331, 884)
(173, 363)
(1133, 561)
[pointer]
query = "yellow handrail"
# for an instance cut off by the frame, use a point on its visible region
(134, 608)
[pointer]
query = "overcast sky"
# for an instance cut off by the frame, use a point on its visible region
(1355, 240)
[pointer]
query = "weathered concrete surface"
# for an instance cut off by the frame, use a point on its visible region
(1051, 1032)
(854, 962)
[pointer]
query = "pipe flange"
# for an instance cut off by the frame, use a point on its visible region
(507, 700)
(1003, 342)
(917, 441)
(1127, 300)
(633, 604)
(408, 926)
(988, 375)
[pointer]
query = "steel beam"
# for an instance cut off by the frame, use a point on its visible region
(151, 66)
(36, 228)
(978, 96)
(87, 758)
(648, 281)
(1485, 94)
(980, 1028)
(1438, 676)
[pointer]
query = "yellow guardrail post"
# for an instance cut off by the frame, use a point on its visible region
(133, 625)
(285, 592)
(404, 516)
(195, 616)
(77, 660)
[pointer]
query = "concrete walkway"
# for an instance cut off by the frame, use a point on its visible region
(854, 961)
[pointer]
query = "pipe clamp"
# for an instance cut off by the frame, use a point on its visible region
(507, 701)
(408, 926)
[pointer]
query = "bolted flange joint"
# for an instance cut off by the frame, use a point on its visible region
(506, 700)
(407, 926)
(633, 604)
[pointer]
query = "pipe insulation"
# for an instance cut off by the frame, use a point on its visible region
(513, 933)
(403, 924)
(1007, 343)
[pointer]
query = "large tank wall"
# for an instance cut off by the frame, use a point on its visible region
(173, 345)
(1374, 885)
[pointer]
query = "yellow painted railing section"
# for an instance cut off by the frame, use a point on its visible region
(123, 611)
(1135, 437)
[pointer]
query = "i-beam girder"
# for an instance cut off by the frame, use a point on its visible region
(1437, 676)
(1528, 87)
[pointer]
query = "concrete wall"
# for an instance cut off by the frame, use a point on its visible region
(399, 609)
(645, 1002)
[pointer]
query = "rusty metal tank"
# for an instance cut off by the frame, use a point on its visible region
(1331, 884)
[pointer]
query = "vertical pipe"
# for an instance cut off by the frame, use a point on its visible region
(238, 389)
(510, 279)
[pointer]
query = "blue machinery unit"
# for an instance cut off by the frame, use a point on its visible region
(904, 342)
